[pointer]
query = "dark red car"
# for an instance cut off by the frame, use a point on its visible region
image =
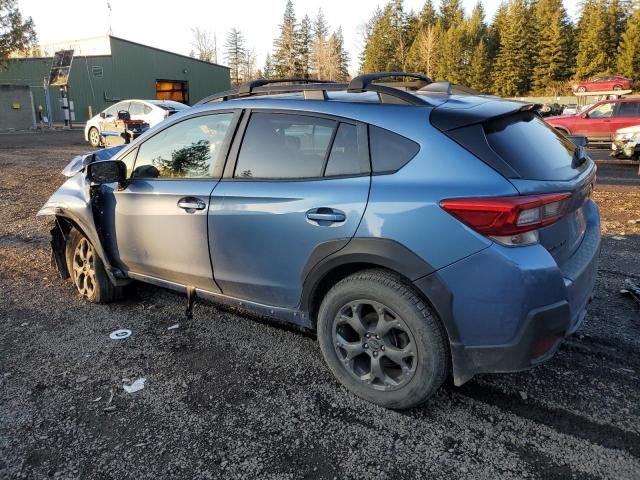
(605, 83)
(598, 122)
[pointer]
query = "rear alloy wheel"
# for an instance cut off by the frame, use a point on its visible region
(617, 88)
(381, 341)
(582, 89)
(87, 270)
(94, 137)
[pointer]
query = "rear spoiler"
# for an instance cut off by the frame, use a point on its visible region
(468, 111)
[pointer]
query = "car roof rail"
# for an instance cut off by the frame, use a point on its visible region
(317, 89)
(361, 83)
(247, 88)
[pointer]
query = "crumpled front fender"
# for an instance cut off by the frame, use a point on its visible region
(72, 203)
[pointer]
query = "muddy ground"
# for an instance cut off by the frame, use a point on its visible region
(227, 396)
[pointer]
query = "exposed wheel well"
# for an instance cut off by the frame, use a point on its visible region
(334, 276)
(562, 130)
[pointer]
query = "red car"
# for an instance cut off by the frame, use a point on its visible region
(598, 122)
(603, 84)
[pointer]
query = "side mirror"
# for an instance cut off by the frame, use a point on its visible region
(107, 171)
(103, 115)
(584, 115)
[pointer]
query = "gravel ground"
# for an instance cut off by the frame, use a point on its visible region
(229, 396)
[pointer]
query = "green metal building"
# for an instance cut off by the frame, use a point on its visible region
(108, 69)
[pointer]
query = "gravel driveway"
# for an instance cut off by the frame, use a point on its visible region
(230, 396)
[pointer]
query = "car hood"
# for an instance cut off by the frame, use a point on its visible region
(632, 129)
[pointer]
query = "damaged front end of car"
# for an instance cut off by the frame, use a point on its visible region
(74, 205)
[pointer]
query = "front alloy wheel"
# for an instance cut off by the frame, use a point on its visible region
(94, 137)
(84, 270)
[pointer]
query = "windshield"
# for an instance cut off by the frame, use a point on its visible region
(602, 111)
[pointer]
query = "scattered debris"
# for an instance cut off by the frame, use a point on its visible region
(173, 327)
(618, 237)
(631, 289)
(110, 396)
(82, 379)
(524, 396)
(96, 399)
(112, 408)
(120, 334)
(135, 386)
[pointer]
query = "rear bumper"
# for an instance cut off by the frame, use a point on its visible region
(509, 310)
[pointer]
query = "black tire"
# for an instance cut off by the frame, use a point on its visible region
(413, 376)
(87, 270)
(94, 137)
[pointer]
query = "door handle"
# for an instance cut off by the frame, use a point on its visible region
(191, 203)
(324, 214)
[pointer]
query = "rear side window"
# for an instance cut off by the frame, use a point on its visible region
(628, 109)
(390, 151)
(532, 148)
(347, 156)
(281, 146)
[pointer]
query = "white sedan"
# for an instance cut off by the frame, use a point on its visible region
(149, 111)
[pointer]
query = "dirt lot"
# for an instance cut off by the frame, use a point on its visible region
(230, 397)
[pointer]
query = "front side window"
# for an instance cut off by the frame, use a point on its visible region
(284, 146)
(629, 109)
(114, 109)
(602, 111)
(189, 149)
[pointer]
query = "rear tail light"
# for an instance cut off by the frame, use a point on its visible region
(512, 221)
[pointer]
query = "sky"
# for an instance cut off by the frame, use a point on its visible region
(167, 24)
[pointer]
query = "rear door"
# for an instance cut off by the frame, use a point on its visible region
(294, 190)
(626, 114)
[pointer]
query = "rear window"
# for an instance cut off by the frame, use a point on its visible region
(531, 147)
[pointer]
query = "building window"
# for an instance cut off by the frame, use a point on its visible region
(97, 71)
(177, 90)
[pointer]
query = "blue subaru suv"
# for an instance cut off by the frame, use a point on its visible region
(421, 230)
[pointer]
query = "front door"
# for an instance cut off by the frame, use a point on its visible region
(297, 193)
(596, 124)
(161, 216)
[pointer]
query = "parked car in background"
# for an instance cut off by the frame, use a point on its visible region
(150, 112)
(626, 143)
(341, 208)
(603, 84)
(601, 120)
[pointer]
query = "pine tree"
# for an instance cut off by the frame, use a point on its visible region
(319, 48)
(479, 75)
(389, 40)
(512, 64)
(617, 12)
(592, 56)
(628, 59)
(286, 62)
(267, 70)
(451, 13)
(553, 47)
(428, 15)
(366, 31)
(235, 53)
(341, 56)
(451, 65)
(16, 34)
(305, 43)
